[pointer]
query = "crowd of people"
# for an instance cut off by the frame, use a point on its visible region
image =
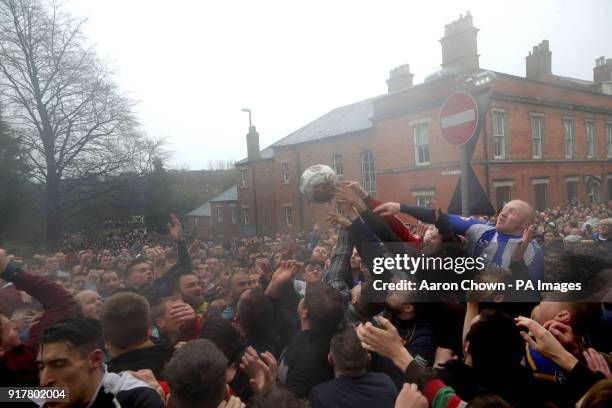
(136, 319)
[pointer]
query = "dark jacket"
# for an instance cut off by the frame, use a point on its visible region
(517, 387)
(153, 358)
(420, 343)
(364, 391)
(18, 366)
(306, 361)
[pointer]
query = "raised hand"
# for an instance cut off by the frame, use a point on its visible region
(565, 334)
(175, 228)
(597, 363)
(387, 209)
(286, 271)
(545, 343)
(335, 219)
(194, 248)
(521, 246)
(443, 355)
(261, 370)
(159, 254)
(182, 313)
(355, 187)
(346, 197)
(386, 342)
(421, 229)
(411, 397)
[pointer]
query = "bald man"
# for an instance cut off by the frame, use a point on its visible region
(90, 302)
(494, 242)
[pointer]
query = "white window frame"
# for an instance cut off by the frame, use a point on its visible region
(285, 171)
(540, 180)
(233, 215)
(569, 137)
(246, 216)
(537, 135)
(420, 133)
(609, 140)
(426, 195)
(244, 177)
(219, 215)
(499, 133)
(590, 139)
(337, 164)
(591, 198)
(368, 172)
(503, 183)
(288, 215)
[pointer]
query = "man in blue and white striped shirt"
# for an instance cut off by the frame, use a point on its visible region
(495, 243)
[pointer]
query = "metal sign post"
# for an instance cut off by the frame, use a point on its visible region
(458, 123)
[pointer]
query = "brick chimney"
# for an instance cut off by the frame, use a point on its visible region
(538, 62)
(602, 75)
(460, 44)
(603, 70)
(253, 144)
(399, 78)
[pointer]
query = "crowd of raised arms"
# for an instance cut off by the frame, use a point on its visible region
(131, 318)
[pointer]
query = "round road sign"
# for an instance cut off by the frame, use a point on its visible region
(459, 118)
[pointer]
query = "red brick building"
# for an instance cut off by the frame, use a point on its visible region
(544, 139)
(216, 217)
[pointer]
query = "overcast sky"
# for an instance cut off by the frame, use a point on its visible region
(192, 65)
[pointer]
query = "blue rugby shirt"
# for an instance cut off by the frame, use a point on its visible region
(496, 247)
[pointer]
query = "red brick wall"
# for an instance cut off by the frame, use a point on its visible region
(391, 139)
(209, 227)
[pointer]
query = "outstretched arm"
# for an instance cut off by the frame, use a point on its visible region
(57, 301)
(339, 269)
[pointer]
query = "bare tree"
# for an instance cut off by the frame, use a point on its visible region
(221, 165)
(64, 105)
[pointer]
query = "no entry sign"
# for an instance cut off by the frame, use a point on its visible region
(459, 118)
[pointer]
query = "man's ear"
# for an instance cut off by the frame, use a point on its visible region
(96, 359)
(159, 323)
(564, 316)
(330, 359)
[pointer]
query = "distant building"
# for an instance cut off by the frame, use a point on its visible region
(217, 217)
(545, 139)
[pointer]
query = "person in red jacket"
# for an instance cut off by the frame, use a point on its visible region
(18, 365)
(396, 225)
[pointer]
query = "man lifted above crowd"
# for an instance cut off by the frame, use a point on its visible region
(495, 243)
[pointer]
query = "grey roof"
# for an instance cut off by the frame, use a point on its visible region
(266, 153)
(201, 211)
(346, 119)
(230, 194)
